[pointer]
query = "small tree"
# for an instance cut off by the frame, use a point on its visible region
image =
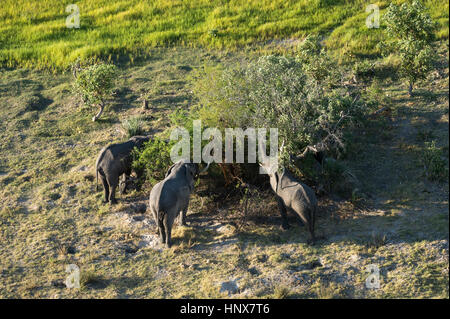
(411, 33)
(310, 109)
(94, 84)
(317, 63)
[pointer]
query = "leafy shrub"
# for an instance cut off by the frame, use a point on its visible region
(316, 62)
(409, 21)
(374, 96)
(89, 278)
(153, 160)
(94, 84)
(279, 92)
(133, 126)
(411, 33)
(181, 118)
(434, 164)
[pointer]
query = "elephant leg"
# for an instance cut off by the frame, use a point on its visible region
(301, 214)
(123, 184)
(282, 208)
(168, 227)
(105, 187)
(300, 221)
(312, 221)
(155, 216)
(162, 233)
(113, 180)
(182, 220)
(307, 218)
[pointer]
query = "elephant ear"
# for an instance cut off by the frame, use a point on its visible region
(277, 181)
(284, 181)
(170, 169)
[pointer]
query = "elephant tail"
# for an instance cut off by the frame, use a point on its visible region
(100, 157)
(96, 174)
(161, 214)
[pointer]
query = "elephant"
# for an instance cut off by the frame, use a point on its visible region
(113, 161)
(170, 197)
(294, 196)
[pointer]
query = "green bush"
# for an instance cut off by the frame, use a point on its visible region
(133, 126)
(94, 84)
(278, 92)
(317, 63)
(153, 160)
(410, 31)
(374, 96)
(435, 166)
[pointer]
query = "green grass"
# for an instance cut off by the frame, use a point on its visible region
(33, 32)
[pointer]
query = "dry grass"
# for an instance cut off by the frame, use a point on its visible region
(51, 216)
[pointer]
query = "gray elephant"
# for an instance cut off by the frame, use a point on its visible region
(294, 196)
(113, 161)
(170, 197)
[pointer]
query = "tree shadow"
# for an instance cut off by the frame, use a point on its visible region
(429, 96)
(33, 102)
(19, 86)
(43, 103)
(360, 229)
(170, 100)
(384, 72)
(122, 283)
(106, 120)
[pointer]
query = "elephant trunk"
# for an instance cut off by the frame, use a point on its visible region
(205, 169)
